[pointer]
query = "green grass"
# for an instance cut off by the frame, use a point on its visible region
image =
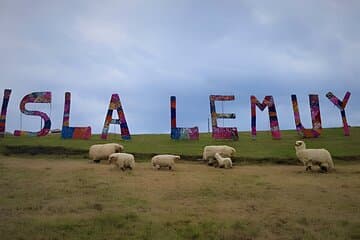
(264, 148)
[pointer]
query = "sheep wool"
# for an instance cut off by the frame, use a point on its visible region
(223, 150)
(165, 161)
(102, 151)
(223, 162)
(309, 157)
(122, 160)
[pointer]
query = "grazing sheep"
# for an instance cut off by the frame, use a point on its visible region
(122, 160)
(223, 162)
(223, 150)
(99, 152)
(164, 160)
(311, 157)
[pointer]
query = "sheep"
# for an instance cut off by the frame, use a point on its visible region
(99, 152)
(164, 160)
(223, 150)
(311, 157)
(223, 162)
(122, 160)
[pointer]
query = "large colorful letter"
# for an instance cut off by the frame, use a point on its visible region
(177, 132)
(341, 105)
(115, 104)
(274, 124)
(222, 132)
(35, 97)
(315, 117)
(5, 103)
(72, 132)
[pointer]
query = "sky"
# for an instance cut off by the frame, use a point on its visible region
(147, 51)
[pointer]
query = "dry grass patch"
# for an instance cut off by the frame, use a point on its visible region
(71, 199)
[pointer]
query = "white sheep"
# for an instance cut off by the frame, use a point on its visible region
(223, 162)
(99, 152)
(122, 160)
(223, 150)
(164, 160)
(311, 157)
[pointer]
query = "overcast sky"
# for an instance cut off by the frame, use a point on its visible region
(148, 50)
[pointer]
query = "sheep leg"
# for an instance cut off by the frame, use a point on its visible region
(323, 167)
(121, 166)
(308, 165)
(93, 160)
(216, 164)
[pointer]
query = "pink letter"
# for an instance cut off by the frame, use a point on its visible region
(36, 97)
(6, 99)
(315, 117)
(341, 105)
(274, 124)
(116, 104)
(177, 132)
(72, 132)
(222, 132)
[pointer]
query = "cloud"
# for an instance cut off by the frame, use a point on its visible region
(147, 51)
(101, 34)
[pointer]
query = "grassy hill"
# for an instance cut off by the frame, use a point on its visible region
(58, 195)
(263, 148)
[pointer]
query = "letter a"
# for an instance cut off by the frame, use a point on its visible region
(115, 104)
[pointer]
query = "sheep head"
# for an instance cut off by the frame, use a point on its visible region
(112, 159)
(300, 145)
(119, 148)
